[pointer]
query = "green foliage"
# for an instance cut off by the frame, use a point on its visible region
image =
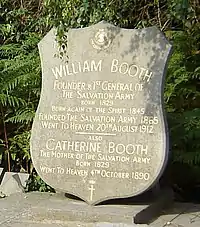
(35, 183)
(20, 78)
(182, 95)
(66, 14)
(19, 148)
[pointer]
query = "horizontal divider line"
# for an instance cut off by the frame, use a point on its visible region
(96, 133)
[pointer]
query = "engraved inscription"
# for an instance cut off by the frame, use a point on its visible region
(99, 131)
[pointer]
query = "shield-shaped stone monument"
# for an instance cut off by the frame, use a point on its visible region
(100, 131)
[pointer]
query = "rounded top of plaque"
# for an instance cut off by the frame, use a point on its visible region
(100, 131)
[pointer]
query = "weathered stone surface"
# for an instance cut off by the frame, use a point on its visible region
(100, 130)
(23, 210)
(11, 186)
(20, 177)
(70, 224)
(49, 208)
(13, 183)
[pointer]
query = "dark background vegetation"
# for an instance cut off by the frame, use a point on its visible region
(23, 23)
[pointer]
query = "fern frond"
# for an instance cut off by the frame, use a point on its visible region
(12, 101)
(24, 115)
(9, 51)
(190, 158)
(22, 80)
(193, 113)
(19, 63)
(36, 92)
(10, 85)
(196, 73)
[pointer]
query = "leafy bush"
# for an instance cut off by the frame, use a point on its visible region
(35, 183)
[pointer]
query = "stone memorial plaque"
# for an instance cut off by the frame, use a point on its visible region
(100, 131)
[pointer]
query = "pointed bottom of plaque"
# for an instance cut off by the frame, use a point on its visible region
(145, 208)
(52, 210)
